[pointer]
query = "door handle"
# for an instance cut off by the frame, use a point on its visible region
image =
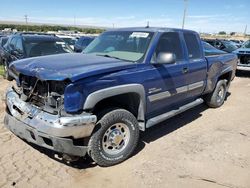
(185, 70)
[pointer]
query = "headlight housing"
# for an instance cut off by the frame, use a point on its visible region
(73, 98)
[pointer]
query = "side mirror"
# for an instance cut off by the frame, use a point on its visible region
(166, 58)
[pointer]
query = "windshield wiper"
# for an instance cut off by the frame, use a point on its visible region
(106, 55)
(109, 56)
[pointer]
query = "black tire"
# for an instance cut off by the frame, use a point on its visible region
(98, 150)
(217, 97)
(6, 73)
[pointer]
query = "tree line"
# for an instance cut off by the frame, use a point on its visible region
(45, 28)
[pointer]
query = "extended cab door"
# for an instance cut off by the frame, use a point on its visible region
(167, 89)
(197, 66)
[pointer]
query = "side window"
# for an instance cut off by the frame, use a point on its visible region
(169, 42)
(193, 46)
(13, 43)
(19, 45)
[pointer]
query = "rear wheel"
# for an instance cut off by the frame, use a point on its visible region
(116, 139)
(217, 97)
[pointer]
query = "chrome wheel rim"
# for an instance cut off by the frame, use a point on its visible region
(116, 138)
(220, 94)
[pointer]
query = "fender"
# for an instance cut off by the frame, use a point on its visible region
(99, 95)
(227, 70)
(216, 69)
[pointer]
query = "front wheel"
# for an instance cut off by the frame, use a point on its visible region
(217, 97)
(116, 139)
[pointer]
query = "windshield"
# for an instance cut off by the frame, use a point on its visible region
(246, 44)
(125, 45)
(41, 48)
(230, 46)
(69, 41)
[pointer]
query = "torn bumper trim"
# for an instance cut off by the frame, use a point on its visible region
(62, 145)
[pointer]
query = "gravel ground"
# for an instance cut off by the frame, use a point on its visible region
(200, 148)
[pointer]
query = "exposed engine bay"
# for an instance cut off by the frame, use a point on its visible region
(47, 95)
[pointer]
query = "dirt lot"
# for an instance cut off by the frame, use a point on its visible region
(199, 148)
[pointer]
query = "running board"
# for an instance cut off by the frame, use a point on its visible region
(153, 121)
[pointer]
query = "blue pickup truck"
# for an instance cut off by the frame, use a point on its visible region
(124, 82)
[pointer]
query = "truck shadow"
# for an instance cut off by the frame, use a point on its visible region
(172, 124)
(150, 135)
(82, 163)
(244, 74)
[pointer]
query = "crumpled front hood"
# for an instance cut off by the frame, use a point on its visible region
(68, 66)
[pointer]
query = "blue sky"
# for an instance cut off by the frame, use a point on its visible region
(202, 16)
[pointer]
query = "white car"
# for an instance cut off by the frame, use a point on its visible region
(68, 39)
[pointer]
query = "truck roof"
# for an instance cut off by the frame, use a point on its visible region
(152, 29)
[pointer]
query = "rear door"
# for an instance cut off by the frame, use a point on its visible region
(197, 71)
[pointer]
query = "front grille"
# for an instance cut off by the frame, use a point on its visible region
(244, 59)
(244, 52)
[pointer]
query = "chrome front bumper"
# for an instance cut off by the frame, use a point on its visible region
(78, 126)
(243, 67)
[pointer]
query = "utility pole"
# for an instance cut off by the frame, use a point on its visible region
(113, 25)
(245, 31)
(147, 24)
(26, 21)
(184, 14)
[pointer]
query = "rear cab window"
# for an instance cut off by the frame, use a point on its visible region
(193, 46)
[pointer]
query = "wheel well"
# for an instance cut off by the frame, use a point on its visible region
(227, 76)
(128, 101)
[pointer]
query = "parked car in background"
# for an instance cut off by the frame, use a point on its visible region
(3, 41)
(68, 39)
(126, 80)
(224, 45)
(82, 43)
(26, 45)
(236, 43)
(243, 56)
(210, 50)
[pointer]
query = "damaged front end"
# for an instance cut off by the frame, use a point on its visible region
(47, 95)
(244, 60)
(35, 112)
